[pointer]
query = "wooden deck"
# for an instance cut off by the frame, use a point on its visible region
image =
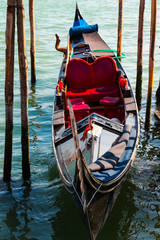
(58, 117)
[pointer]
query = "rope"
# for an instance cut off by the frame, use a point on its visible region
(110, 50)
(90, 54)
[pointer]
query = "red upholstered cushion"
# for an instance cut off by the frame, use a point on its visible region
(78, 74)
(76, 101)
(94, 94)
(105, 71)
(80, 107)
(81, 74)
(110, 101)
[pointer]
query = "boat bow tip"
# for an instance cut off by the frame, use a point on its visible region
(76, 5)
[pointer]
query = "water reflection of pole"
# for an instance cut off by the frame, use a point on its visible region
(151, 62)
(32, 122)
(9, 76)
(120, 24)
(14, 215)
(140, 54)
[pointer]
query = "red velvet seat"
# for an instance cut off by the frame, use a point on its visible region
(79, 105)
(80, 108)
(78, 101)
(110, 101)
(92, 81)
(94, 94)
(110, 108)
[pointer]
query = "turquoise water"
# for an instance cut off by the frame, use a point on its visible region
(44, 210)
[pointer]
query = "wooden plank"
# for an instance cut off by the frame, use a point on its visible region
(80, 169)
(130, 104)
(58, 117)
(96, 42)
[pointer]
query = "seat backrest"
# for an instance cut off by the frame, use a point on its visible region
(78, 74)
(81, 74)
(105, 71)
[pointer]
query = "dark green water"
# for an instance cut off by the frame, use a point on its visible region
(44, 209)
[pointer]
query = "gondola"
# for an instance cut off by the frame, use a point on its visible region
(95, 128)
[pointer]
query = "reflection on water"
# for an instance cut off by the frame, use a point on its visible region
(33, 106)
(12, 220)
(146, 177)
(43, 209)
(15, 211)
(118, 225)
(26, 212)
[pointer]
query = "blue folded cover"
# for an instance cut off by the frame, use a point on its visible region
(83, 29)
(80, 22)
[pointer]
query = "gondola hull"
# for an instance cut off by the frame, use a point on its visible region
(95, 126)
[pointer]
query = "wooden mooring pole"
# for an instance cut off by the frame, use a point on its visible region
(24, 90)
(9, 75)
(140, 54)
(32, 42)
(120, 24)
(151, 61)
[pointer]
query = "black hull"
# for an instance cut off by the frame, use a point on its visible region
(98, 209)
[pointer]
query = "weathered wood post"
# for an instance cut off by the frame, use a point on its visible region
(140, 54)
(151, 62)
(24, 90)
(9, 75)
(32, 42)
(120, 24)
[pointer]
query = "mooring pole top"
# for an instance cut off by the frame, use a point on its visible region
(11, 3)
(20, 3)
